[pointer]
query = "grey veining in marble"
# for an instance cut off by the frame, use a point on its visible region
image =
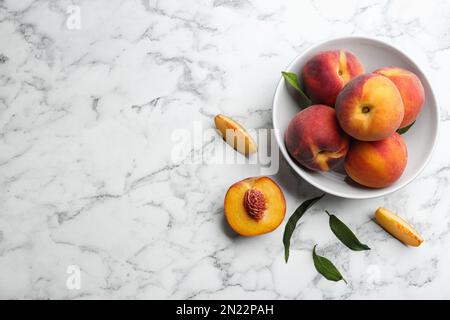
(91, 93)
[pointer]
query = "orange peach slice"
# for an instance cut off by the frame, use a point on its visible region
(398, 227)
(254, 206)
(235, 135)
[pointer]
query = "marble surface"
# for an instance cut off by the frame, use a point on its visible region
(92, 95)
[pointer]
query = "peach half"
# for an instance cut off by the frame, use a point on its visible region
(315, 140)
(254, 206)
(370, 108)
(327, 72)
(411, 90)
(377, 164)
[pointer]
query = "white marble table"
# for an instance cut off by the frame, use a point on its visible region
(91, 93)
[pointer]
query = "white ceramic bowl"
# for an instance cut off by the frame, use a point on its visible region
(420, 139)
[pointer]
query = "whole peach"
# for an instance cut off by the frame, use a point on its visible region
(369, 108)
(326, 73)
(411, 90)
(377, 164)
(315, 140)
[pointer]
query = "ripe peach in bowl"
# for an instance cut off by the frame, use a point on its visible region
(419, 140)
(377, 164)
(370, 107)
(315, 140)
(411, 91)
(327, 72)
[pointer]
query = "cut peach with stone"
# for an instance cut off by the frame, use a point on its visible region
(411, 90)
(235, 135)
(327, 72)
(370, 108)
(254, 206)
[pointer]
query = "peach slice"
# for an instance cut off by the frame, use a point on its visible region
(398, 227)
(235, 135)
(254, 206)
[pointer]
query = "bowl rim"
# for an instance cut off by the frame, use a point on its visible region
(300, 171)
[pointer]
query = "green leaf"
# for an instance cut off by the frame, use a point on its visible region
(344, 234)
(326, 268)
(405, 129)
(292, 79)
(292, 223)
